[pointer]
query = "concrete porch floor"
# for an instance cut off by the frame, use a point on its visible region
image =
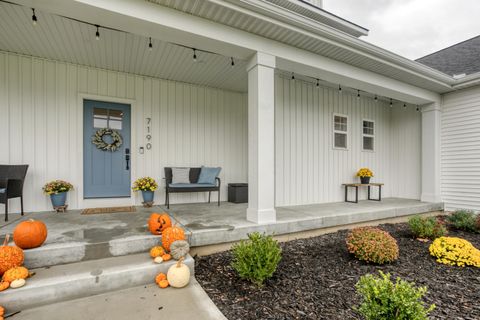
(74, 237)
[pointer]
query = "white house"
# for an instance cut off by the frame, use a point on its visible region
(280, 93)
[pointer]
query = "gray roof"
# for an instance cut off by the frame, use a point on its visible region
(463, 57)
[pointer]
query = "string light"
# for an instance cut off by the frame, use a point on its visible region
(232, 63)
(97, 34)
(318, 83)
(150, 45)
(358, 94)
(195, 55)
(391, 103)
(34, 17)
(418, 109)
(376, 98)
(293, 76)
(339, 89)
(404, 105)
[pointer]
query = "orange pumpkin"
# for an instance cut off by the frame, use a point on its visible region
(159, 222)
(4, 285)
(160, 277)
(166, 257)
(10, 256)
(163, 284)
(170, 235)
(30, 234)
(15, 274)
(157, 251)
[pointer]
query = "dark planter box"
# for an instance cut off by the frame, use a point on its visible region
(238, 192)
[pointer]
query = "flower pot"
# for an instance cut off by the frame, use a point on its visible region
(147, 196)
(365, 180)
(58, 200)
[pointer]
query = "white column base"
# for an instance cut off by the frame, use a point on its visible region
(264, 216)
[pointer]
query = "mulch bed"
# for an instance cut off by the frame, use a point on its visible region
(316, 280)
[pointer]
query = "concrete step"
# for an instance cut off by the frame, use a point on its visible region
(83, 279)
(137, 303)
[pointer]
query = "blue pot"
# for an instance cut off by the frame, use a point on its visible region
(58, 200)
(147, 196)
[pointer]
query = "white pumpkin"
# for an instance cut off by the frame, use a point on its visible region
(178, 275)
(158, 260)
(17, 283)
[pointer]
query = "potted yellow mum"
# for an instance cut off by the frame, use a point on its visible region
(147, 186)
(365, 174)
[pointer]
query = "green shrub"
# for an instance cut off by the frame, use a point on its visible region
(383, 299)
(372, 245)
(427, 228)
(464, 220)
(256, 259)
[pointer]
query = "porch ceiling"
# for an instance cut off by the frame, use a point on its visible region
(346, 48)
(62, 39)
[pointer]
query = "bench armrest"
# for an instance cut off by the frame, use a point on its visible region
(219, 182)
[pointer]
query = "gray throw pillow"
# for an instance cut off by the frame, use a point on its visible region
(180, 175)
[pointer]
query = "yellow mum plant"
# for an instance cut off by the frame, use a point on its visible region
(364, 172)
(145, 184)
(455, 252)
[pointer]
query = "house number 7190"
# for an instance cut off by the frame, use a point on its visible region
(148, 136)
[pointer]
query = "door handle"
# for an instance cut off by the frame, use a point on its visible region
(127, 158)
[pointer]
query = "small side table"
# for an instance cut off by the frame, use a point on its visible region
(356, 185)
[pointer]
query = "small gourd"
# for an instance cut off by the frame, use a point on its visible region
(163, 284)
(4, 285)
(179, 249)
(17, 283)
(158, 260)
(15, 273)
(161, 276)
(178, 275)
(166, 257)
(157, 251)
(10, 256)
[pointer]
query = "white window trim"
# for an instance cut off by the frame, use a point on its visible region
(339, 131)
(369, 135)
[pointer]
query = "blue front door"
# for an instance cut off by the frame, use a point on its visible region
(106, 173)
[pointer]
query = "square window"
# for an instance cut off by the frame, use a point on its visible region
(340, 140)
(368, 143)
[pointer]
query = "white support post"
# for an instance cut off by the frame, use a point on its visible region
(431, 134)
(261, 139)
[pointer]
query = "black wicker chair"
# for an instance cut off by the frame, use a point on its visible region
(11, 184)
(193, 176)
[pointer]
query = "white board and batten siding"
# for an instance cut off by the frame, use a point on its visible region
(308, 168)
(461, 149)
(41, 125)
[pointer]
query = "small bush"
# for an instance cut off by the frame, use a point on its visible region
(464, 220)
(383, 299)
(426, 228)
(455, 252)
(372, 245)
(257, 258)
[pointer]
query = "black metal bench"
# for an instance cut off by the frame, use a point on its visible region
(193, 186)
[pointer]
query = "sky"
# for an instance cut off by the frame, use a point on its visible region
(412, 28)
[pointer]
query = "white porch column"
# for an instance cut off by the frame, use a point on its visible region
(431, 132)
(261, 139)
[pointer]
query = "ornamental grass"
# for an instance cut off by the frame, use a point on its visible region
(455, 252)
(372, 245)
(145, 184)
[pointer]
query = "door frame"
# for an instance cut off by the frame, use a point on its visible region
(106, 202)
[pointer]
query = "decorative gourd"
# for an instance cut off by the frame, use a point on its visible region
(157, 251)
(158, 222)
(170, 235)
(10, 256)
(30, 234)
(4, 285)
(161, 276)
(15, 273)
(178, 275)
(163, 284)
(166, 257)
(158, 260)
(15, 284)
(179, 249)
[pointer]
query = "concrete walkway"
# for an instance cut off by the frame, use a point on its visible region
(139, 303)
